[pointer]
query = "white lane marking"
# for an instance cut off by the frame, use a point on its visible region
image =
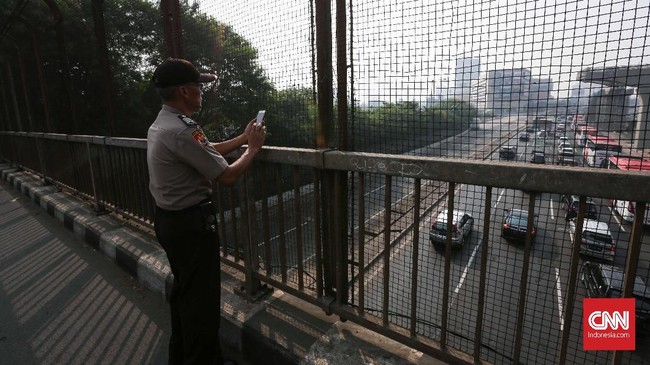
(617, 219)
(499, 198)
(559, 298)
(471, 259)
(469, 263)
(552, 215)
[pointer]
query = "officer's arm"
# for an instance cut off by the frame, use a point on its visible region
(234, 171)
(230, 145)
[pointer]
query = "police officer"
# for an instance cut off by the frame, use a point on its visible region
(182, 165)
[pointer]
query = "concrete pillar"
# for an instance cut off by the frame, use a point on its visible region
(642, 128)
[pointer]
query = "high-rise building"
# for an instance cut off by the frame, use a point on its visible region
(466, 76)
(508, 91)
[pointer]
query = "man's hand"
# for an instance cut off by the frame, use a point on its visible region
(257, 135)
(249, 128)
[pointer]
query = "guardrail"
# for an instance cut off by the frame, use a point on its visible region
(364, 259)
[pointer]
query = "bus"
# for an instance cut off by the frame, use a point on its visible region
(628, 163)
(599, 148)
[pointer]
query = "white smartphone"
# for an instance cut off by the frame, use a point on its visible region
(260, 117)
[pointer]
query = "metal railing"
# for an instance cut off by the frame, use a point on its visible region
(383, 277)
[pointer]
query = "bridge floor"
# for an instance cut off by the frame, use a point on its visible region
(62, 303)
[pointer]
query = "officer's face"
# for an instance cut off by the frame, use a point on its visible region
(193, 95)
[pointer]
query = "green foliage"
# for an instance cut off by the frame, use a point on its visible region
(404, 126)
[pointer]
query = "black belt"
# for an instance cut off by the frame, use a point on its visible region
(205, 207)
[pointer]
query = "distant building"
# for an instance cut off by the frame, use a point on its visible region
(540, 95)
(466, 75)
(508, 91)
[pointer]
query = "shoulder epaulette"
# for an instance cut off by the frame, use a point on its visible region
(187, 120)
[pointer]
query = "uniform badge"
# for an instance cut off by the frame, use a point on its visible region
(200, 137)
(187, 120)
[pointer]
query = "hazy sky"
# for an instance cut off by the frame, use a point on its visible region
(404, 50)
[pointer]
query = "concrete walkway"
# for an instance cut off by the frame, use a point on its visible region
(77, 288)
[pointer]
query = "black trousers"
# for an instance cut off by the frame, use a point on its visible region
(193, 254)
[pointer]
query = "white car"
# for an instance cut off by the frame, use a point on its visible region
(562, 146)
(562, 139)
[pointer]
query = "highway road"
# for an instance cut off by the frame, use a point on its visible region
(547, 279)
(548, 266)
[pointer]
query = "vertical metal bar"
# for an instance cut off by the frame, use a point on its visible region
(388, 186)
(102, 55)
(342, 75)
(65, 65)
(281, 230)
(6, 108)
(340, 227)
(233, 219)
(632, 261)
(92, 178)
(13, 94)
(222, 221)
(172, 27)
(447, 274)
(318, 238)
(251, 264)
(324, 71)
(42, 84)
(313, 51)
(521, 307)
(573, 274)
(266, 227)
(298, 220)
(362, 242)
(485, 239)
(416, 255)
(23, 81)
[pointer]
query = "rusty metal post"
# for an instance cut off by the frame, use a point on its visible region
(6, 125)
(341, 177)
(171, 17)
(49, 126)
(14, 99)
(102, 55)
(631, 262)
(324, 130)
(65, 65)
(23, 79)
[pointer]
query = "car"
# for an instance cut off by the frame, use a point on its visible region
(515, 226)
(543, 134)
(596, 240)
(562, 146)
(566, 151)
(562, 139)
(566, 158)
(530, 129)
(606, 281)
(508, 152)
(524, 136)
(560, 128)
(571, 203)
(461, 226)
(538, 157)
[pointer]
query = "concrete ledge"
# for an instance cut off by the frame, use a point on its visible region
(279, 329)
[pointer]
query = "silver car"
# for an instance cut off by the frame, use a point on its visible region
(461, 226)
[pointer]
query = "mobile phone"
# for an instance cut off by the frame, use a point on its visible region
(260, 117)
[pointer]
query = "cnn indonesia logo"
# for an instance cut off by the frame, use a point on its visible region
(609, 324)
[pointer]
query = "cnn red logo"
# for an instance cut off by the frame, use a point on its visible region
(609, 324)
